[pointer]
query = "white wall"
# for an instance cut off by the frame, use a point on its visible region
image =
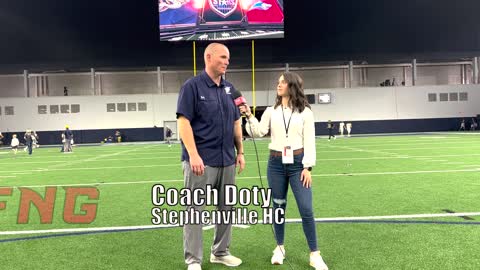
(375, 76)
(122, 83)
(435, 75)
(12, 86)
(172, 82)
(412, 102)
(381, 103)
(93, 113)
(77, 85)
(356, 104)
(376, 103)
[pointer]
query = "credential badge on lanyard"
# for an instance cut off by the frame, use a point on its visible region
(287, 153)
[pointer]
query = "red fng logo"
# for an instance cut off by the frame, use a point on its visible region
(45, 205)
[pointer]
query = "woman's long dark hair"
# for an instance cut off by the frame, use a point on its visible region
(297, 101)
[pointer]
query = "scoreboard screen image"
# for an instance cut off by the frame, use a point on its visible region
(189, 20)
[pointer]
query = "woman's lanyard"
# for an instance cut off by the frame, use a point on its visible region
(287, 155)
(285, 123)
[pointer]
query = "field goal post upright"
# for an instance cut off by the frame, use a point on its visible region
(172, 124)
(254, 105)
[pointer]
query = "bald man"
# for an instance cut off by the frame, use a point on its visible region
(210, 130)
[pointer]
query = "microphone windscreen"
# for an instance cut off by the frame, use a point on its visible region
(239, 101)
(236, 94)
(238, 98)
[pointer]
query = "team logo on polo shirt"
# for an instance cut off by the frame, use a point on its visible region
(223, 7)
(227, 90)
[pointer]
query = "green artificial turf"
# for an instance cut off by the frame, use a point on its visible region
(354, 177)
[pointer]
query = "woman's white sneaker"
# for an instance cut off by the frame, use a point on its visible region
(317, 262)
(278, 255)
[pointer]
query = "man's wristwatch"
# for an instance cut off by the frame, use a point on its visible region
(308, 168)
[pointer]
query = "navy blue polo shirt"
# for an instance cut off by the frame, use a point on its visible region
(212, 114)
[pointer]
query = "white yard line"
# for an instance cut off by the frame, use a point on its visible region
(432, 148)
(394, 217)
(246, 154)
(471, 165)
(256, 177)
(170, 154)
(95, 158)
(396, 173)
(356, 149)
(320, 149)
(162, 165)
(454, 163)
(292, 220)
(106, 183)
(33, 162)
(406, 143)
(396, 155)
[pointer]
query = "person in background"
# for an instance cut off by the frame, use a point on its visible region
(28, 141)
(349, 128)
(394, 83)
(473, 125)
(462, 125)
(341, 128)
(331, 127)
(35, 140)
(118, 136)
(63, 143)
(68, 135)
(14, 143)
(168, 135)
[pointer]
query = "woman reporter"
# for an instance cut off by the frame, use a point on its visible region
(292, 156)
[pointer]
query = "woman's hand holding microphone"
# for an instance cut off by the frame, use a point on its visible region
(245, 109)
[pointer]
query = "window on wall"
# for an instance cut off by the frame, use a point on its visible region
(65, 108)
(110, 107)
(432, 97)
(443, 96)
(124, 107)
(0, 110)
(75, 108)
(463, 96)
(9, 110)
(310, 98)
(142, 106)
(324, 98)
(132, 107)
(54, 109)
(121, 107)
(453, 96)
(42, 109)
